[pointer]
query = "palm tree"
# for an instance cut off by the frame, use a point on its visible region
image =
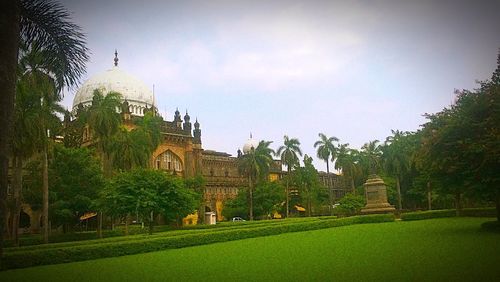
(130, 149)
(104, 122)
(348, 163)
(326, 148)
(35, 83)
(288, 153)
(371, 152)
(255, 164)
(395, 159)
(46, 23)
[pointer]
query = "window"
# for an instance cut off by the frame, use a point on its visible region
(169, 161)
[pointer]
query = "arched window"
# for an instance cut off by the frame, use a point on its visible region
(169, 161)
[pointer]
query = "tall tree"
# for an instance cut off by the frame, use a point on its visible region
(371, 154)
(307, 181)
(326, 149)
(348, 162)
(396, 159)
(48, 24)
(255, 165)
(104, 122)
(289, 152)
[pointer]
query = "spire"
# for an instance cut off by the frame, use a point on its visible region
(116, 58)
(250, 135)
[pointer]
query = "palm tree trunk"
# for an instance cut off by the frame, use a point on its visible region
(9, 36)
(286, 191)
(45, 191)
(497, 204)
(151, 223)
(99, 224)
(458, 203)
(17, 184)
(398, 187)
(353, 186)
(429, 196)
(250, 196)
(126, 224)
(330, 192)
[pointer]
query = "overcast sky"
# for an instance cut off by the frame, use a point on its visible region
(350, 69)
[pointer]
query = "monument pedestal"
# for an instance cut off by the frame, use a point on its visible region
(376, 196)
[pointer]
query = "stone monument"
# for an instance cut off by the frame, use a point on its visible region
(376, 196)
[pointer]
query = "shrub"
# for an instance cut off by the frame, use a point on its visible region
(474, 212)
(350, 204)
(141, 244)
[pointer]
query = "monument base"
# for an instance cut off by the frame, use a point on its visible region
(376, 196)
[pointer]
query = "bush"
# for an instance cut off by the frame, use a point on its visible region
(350, 204)
(141, 244)
(473, 212)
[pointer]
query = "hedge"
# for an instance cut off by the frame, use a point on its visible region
(473, 212)
(42, 256)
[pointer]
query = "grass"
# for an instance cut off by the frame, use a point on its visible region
(452, 249)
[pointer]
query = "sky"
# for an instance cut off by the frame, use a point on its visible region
(350, 69)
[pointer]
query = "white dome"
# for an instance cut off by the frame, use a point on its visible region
(251, 143)
(132, 89)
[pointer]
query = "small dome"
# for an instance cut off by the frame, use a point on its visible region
(132, 89)
(251, 143)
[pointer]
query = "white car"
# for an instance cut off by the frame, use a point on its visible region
(237, 218)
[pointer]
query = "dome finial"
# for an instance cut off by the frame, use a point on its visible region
(116, 58)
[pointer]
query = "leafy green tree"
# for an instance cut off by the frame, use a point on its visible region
(148, 192)
(268, 198)
(255, 165)
(461, 143)
(46, 23)
(289, 152)
(327, 149)
(307, 181)
(76, 179)
(237, 206)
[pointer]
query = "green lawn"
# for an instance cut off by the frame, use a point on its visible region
(447, 249)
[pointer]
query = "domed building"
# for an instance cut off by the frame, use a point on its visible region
(180, 152)
(250, 145)
(138, 96)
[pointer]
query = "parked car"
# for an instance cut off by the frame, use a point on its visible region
(237, 218)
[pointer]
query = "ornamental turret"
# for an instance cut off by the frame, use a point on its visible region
(178, 119)
(187, 123)
(197, 133)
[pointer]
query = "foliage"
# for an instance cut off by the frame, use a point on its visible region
(370, 156)
(255, 165)
(148, 192)
(461, 144)
(472, 212)
(326, 149)
(45, 27)
(76, 178)
(237, 206)
(311, 192)
(350, 204)
(268, 198)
